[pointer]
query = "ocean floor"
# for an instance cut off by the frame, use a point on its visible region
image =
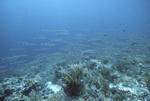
(100, 68)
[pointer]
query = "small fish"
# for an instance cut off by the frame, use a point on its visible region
(123, 30)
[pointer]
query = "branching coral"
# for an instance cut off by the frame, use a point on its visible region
(73, 80)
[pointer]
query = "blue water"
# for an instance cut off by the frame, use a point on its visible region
(22, 20)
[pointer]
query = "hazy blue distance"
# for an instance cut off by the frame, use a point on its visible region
(23, 19)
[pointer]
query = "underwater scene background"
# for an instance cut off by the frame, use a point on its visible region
(74, 50)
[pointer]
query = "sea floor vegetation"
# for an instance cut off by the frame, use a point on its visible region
(97, 69)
